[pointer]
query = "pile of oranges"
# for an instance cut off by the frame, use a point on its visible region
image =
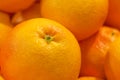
(59, 39)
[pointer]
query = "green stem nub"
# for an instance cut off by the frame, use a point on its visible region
(48, 38)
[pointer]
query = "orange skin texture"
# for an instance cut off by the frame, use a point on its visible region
(4, 18)
(27, 54)
(94, 50)
(112, 61)
(12, 6)
(32, 12)
(4, 31)
(1, 78)
(113, 18)
(89, 78)
(82, 17)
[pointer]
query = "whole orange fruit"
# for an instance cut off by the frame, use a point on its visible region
(112, 62)
(82, 17)
(89, 78)
(94, 50)
(113, 18)
(15, 5)
(32, 12)
(40, 49)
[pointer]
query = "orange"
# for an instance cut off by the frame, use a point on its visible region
(89, 78)
(94, 50)
(4, 18)
(82, 17)
(112, 62)
(32, 12)
(113, 18)
(40, 49)
(1, 78)
(12, 6)
(4, 31)
(37, 0)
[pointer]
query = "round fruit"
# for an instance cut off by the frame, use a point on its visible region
(40, 49)
(82, 17)
(89, 78)
(112, 62)
(15, 5)
(113, 18)
(94, 50)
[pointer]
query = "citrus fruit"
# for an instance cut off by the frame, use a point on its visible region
(113, 18)
(32, 12)
(112, 61)
(82, 17)
(89, 78)
(4, 31)
(94, 50)
(1, 78)
(40, 49)
(12, 6)
(4, 18)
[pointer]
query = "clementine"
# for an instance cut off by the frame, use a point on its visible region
(40, 49)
